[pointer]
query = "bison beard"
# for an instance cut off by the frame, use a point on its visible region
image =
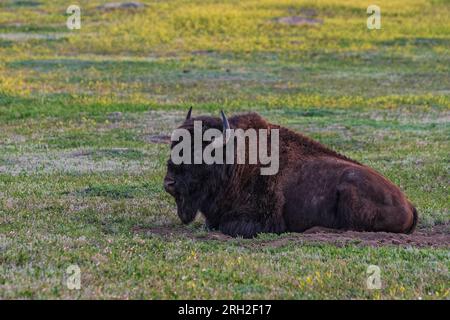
(315, 187)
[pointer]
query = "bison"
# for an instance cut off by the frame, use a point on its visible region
(314, 187)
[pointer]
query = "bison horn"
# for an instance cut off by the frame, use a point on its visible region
(220, 142)
(225, 123)
(189, 114)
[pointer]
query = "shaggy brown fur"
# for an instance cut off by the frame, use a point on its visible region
(315, 187)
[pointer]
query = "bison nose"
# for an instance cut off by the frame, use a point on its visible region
(169, 185)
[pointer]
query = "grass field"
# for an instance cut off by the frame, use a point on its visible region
(80, 174)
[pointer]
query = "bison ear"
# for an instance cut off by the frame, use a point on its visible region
(188, 116)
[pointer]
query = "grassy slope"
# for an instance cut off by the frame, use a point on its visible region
(76, 178)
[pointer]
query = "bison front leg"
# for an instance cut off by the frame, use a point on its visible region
(241, 228)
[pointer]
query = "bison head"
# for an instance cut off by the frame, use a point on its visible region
(193, 184)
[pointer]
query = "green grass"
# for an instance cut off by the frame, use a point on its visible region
(78, 175)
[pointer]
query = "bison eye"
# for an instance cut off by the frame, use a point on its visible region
(175, 168)
(170, 164)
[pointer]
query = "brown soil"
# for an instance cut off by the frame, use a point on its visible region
(160, 138)
(298, 21)
(437, 236)
(132, 5)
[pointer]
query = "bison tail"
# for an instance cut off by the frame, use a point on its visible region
(414, 223)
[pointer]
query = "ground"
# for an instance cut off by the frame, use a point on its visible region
(84, 115)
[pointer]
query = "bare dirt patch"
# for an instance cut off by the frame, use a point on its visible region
(132, 5)
(299, 21)
(436, 237)
(24, 36)
(159, 138)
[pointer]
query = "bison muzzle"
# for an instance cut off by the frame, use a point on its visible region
(314, 187)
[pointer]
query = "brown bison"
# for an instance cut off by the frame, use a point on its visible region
(314, 187)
